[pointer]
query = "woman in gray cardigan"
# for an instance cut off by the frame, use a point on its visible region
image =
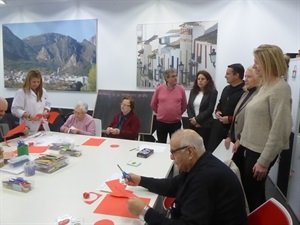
(251, 88)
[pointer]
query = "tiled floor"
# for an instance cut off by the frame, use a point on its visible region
(272, 191)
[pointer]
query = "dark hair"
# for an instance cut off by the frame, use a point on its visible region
(237, 68)
(210, 85)
(131, 100)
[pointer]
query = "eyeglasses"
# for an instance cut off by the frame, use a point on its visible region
(77, 112)
(124, 105)
(172, 151)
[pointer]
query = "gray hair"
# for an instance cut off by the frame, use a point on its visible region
(81, 106)
(168, 72)
(189, 137)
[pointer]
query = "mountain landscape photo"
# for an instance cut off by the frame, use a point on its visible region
(65, 63)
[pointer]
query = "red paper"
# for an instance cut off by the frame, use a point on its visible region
(16, 130)
(115, 206)
(37, 149)
(118, 189)
(52, 117)
(115, 203)
(93, 197)
(104, 222)
(94, 142)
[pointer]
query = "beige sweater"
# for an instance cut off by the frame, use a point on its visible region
(268, 122)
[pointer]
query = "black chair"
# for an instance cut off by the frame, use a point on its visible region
(59, 121)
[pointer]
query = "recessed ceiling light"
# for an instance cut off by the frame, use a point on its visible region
(2, 2)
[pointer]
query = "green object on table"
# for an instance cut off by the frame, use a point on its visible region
(22, 150)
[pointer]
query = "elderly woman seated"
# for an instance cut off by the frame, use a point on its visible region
(125, 124)
(80, 122)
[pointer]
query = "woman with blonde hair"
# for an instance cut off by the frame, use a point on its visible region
(268, 122)
(31, 103)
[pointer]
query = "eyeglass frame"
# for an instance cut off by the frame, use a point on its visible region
(172, 151)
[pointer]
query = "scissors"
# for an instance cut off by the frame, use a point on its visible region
(125, 175)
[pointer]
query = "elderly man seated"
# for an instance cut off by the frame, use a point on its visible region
(7, 122)
(206, 191)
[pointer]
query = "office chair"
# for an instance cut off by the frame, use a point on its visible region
(270, 212)
(98, 124)
(59, 121)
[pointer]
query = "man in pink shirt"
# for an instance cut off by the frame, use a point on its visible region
(169, 103)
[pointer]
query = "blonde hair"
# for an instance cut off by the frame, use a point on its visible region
(271, 61)
(26, 86)
(256, 78)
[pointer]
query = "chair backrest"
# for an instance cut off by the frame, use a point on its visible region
(59, 121)
(271, 212)
(236, 170)
(98, 124)
(167, 202)
(4, 128)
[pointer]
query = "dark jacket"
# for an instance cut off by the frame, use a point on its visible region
(12, 122)
(229, 98)
(130, 127)
(210, 193)
(207, 105)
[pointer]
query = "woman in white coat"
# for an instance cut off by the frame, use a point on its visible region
(31, 103)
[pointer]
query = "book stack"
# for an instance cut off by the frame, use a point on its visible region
(51, 162)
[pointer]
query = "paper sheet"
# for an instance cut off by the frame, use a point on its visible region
(104, 187)
(52, 117)
(16, 130)
(222, 153)
(94, 142)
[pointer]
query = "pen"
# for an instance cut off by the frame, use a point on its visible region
(132, 149)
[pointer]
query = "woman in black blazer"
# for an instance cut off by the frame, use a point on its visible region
(201, 104)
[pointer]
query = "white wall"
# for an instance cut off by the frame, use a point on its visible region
(243, 25)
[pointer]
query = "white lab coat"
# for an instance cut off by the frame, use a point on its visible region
(26, 102)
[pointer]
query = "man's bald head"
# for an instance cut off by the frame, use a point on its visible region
(188, 137)
(3, 106)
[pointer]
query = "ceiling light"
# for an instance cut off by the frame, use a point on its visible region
(2, 2)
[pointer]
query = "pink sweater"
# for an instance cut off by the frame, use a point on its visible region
(169, 104)
(86, 126)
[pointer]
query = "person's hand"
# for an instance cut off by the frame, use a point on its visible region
(259, 171)
(108, 130)
(115, 131)
(193, 121)
(75, 131)
(236, 146)
(46, 113)
(34, 118)
(135, 206)
(26, 131)
(133, 180)
(224, 119)
(227, 143)
(218, 114)
(197, 125)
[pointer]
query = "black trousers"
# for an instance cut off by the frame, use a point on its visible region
(217, 134)
(163, 129)
(254, 189)
(203, 132)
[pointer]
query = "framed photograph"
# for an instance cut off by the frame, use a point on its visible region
(188, 47)
(63, 51)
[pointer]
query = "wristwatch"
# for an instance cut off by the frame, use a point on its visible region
(143, 213)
